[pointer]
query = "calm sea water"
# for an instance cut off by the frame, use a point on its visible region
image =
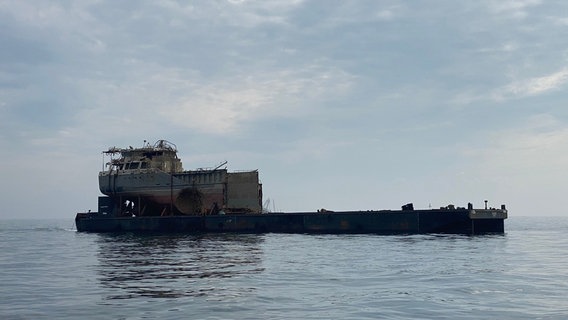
(50, 271)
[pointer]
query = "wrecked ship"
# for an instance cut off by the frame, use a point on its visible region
(151, 181)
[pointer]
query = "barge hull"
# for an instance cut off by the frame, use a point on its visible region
(459, 221)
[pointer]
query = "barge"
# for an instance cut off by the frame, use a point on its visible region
(147, 190)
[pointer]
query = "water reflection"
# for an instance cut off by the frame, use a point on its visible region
(169, 266)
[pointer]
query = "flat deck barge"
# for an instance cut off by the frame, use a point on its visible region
(146, 189)
(455, 221)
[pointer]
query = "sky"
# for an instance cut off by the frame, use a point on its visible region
(343, 105)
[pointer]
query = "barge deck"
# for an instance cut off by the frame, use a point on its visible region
(455, 221)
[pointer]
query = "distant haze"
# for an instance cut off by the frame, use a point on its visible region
(343, 105)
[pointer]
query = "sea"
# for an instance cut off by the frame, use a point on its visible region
(48, 270)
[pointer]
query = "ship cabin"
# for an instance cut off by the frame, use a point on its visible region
(161, 156)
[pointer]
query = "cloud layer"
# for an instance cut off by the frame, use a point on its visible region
(370, 103)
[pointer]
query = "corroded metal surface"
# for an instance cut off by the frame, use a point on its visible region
(151, 180)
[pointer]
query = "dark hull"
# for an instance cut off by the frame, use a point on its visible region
(457, 221)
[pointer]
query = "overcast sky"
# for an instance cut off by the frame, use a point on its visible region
(343, 105)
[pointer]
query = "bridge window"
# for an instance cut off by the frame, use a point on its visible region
(132, 165)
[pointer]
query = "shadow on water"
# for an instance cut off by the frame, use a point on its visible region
(172, 266)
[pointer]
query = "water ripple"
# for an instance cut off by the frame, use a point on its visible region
(48, 271)
(166, 266)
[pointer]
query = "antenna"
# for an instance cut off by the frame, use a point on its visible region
(220, 165)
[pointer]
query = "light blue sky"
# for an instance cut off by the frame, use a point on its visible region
(344, 105)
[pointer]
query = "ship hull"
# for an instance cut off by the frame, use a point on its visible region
(459, 221)
(189, 192)
(159, 187)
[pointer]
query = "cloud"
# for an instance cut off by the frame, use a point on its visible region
(531, 153)
(533, 86)
(313, 85)
(514, 8)
(240, 14)
(226, 106)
